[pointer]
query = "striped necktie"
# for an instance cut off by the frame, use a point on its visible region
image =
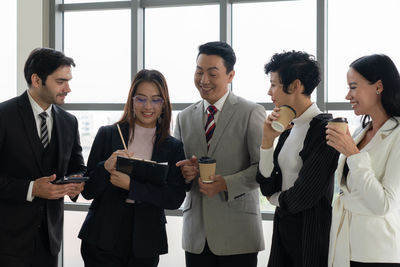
(44, 133)
(210, 125)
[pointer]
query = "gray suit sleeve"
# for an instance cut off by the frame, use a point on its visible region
(244, 181)
(177, 130)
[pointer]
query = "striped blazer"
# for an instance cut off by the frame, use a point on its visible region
(310, 197)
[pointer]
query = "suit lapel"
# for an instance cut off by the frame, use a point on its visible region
(28, 120)
(198, 126)
(60, 131)
(223, 120)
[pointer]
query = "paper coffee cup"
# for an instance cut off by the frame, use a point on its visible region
(286, 115)
(340, 124)
(207, 167)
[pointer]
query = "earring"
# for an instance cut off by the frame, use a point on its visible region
(159, 120)
(377, 92)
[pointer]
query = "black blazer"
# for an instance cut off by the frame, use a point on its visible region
(102, 224)
(310, 197)
(20, 163)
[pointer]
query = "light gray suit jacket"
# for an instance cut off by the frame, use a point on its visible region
(230, 221)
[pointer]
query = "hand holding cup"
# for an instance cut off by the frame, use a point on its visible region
(340, 124)
(286, 115)
(207, 168)
(338, 137)
(275, 124)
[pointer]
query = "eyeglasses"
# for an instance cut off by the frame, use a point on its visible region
(141, 101)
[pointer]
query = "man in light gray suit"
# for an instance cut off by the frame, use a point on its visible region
(221, 220)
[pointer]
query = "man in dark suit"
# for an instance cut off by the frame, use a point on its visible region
(39, 143)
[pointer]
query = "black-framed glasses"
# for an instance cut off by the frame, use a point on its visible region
(141, 101)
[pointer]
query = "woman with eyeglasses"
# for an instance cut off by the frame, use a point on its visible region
(125, 225)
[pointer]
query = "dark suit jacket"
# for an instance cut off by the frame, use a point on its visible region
(310, 197)
(102, 224)
(20, 163)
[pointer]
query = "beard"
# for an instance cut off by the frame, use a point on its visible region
(49, 97)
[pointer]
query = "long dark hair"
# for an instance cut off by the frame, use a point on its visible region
(380, 67)
(155, 77)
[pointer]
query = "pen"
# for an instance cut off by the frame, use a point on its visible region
(123, 141)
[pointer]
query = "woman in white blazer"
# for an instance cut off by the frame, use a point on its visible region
(365, 227)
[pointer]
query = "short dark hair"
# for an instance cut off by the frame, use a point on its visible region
(43, 62)
(221, 49)
(155, 77)
(295, 65)
(380, 67)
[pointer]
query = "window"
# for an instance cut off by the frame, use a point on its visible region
(262, 29)
(172, 36)
(101, 53)
(357, 28)
(8, 51)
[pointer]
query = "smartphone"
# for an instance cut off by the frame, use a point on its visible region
(71, 179)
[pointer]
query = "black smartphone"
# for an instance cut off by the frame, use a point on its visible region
(71, 179)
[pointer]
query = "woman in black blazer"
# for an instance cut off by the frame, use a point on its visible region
(125, 225)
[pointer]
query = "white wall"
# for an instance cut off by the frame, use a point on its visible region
(30, 33)
(8, 49)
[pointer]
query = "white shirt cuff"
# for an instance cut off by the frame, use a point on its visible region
(29, 196)
(266, 161)
(274, 199)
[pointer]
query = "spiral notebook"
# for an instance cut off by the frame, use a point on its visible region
(143, 170)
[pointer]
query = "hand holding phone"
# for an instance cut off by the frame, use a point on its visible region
(71, 179)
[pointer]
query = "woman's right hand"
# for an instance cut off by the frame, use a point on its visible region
(111, 162)
(269, 134)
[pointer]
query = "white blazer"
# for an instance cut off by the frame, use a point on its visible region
(366, 214)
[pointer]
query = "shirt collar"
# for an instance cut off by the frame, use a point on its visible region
(36, 108)
(308, 115)
(219, 104)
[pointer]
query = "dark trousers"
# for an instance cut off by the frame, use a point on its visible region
(362, 264)
(96, 257)
(209, 259)
(122, 255)
(290, 233)
(41, 255)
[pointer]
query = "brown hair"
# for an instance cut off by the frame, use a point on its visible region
(155, 77)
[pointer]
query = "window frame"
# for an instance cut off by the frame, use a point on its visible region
(137, 7)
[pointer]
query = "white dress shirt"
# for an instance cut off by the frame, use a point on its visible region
(289, 159)
(219, 105)
(49, 121)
